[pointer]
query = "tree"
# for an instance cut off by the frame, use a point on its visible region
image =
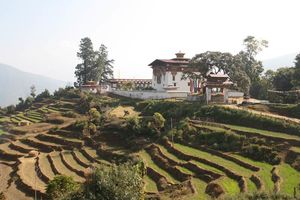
(218, 62)
(10, 109)
(103, 67)
(43, 95)
(93, 123)
(283, 79)
(95, 64)
(87, 55)
(32, 91)
(158, 122)
(252, 67)
(123, 182)
(61, 187)
(296, 76)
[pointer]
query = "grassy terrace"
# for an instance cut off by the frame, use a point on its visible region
(226, 163)
(150, 185)
(264, 132)
(290, 178)
(62, 168)
(149, 162)
(69, 159)
(45, 166)
(296, 149)
(230, 185)
(264, 173)
(5, 147)
(28, 174)
(93, 153)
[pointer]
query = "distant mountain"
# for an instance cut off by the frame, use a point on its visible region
(280, 61)
(15, 83)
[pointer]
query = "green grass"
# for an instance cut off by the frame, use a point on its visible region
(290, 178)
(264, 173)
(226, 163)
(4, 119)
(23, 117)
(149, 162)
(200, 188)
(296, 149)
(230, 186)
(264, 132)
(150, 185)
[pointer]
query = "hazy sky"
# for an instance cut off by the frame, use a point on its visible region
(42, 36)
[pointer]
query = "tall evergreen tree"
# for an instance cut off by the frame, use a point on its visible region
(103, 68)
(87, 55)
(95, 65)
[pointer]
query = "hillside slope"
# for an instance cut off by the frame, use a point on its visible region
(16, 83)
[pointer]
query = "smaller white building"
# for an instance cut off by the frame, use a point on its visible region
(167, 74)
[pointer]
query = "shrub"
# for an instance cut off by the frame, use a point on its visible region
(69, 114)
(79, 125)
(123, 182)
(61, 187)
(158, 122)
(133, 124)
(261, 153)
(245, 118)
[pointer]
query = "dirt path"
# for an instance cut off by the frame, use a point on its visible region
(264, 113)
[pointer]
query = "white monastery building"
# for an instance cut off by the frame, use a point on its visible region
(167, 74)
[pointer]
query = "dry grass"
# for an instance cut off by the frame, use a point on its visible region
(120, 112)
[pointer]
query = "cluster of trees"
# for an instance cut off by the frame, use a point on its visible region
(95, 65)
(122, 182)
(243, 68)
(150, 126)
(285, 78)
(246, 71)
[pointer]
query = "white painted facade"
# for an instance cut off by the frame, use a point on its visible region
(170, 82)
(150, 94)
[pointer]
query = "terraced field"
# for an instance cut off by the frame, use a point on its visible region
(31, 158)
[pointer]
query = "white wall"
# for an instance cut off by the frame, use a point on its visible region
(167, 81)
(150, 94)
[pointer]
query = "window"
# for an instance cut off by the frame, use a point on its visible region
(189, 84)
(173, 77)
(174, 84)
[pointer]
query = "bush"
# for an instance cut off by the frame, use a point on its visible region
(261, 153)
(245, 118)
(69, 114)
(133, 124)
(61, 187)
(123, 182)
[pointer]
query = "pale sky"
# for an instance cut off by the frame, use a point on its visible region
(42, 36)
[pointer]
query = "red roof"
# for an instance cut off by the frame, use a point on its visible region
(184, 61)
